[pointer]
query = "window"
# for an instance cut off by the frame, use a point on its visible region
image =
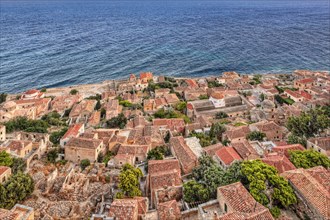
(226, 208)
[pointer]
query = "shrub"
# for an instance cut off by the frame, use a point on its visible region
(84, 163)
(73, 92)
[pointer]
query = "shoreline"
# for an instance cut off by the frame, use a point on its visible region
(102, 84)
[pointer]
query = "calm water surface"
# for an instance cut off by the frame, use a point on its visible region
(57, 43)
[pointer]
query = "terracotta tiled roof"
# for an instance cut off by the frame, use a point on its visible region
(155, 166)
(169, 210)
(286, 148)
(323, 142)
(310, 184)
(84, 143)
(228, 155)
(212, 149)
(280, 162)
(174, 124)
(124, 209)
(146, 75)
(239, 132)
(3, 169)
(191, 83)
(245, 150)
(242, 203)
(31, 91)
(293, 93)
(186, 156)
(73, 131)
(305, 81)
(217, 95)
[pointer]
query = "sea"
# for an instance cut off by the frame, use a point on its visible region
(58, 43)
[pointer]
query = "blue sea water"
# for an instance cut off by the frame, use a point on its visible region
(57, 43)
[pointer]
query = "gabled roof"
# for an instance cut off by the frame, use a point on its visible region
(286, 148)
(280, 162)
(313, 185)
(228, 155)
(73, 131)
(124, 209)
(243, 205)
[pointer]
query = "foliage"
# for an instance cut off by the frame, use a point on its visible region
(212, 84)
(181, 106)
(204, 140)
(293, 139)
(211, 175)
(308, 159)
(158, 153)
(201, 97)
(84, 163)
(162, 113)
(262, 97)
(19, 165)
(53, 118)
(275, 211)
(153, 86)
(117, 122)
(73, 92)
(3, 97)
(257, 79)
(308, 124)
(5, 159)
(15, 190)
(266, 185)
(256, 136)
(220, 115)
(52, 155)
(217, 129)
(237, 124)
(125, 103)
(56, 136)
(43, 90)
(28, 125)
(194, 191)
(129, 181)
(282, 100)
(67, 112)
(96, 97)
(103, 112)
(107, 157)
(98, 105)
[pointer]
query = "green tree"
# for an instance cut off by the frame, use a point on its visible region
(217, 129)
(28, 125)
(3, 97)
(293, 139)
(117, 122)
(256, 136)
(129, 181)
(43, 90)
(17, 188)
(19, 165)
(309, 123)
(98, 105)
(84, 163)
(56, 136)
(181, 106)
(73, 92)
(5, 159)
(53, 118)
(308, 159)
(275, 211)
(52, 155)
(204, 140)
(220, 115)
(201, 97)
(266, 185)
(195, 192)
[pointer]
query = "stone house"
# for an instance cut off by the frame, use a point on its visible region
(18, 212)
(64, 102)
(226, 156)
(188, 160)
(74, 130)
(272, 130)
(5, 173)
(320, 144)
(129, 208)
(78, 149)
(237, 203)
(303, 84)
(312, 187)
(164, 181)
(82, 111)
